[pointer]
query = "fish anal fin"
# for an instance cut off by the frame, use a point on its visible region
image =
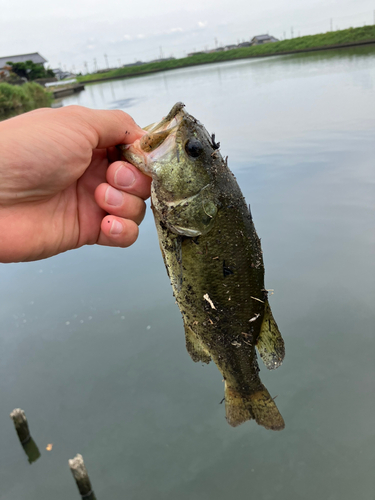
(257, 405)
(195, 348)
(270, 343)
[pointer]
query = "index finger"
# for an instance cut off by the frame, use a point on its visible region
(106, 128)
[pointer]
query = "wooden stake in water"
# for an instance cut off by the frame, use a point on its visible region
(77, 466)
(20, 423)
(28, 444)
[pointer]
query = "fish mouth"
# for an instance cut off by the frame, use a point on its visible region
(158, 142)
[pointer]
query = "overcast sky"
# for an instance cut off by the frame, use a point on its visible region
(70, 32)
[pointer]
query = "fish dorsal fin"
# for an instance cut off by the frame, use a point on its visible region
(270, 343)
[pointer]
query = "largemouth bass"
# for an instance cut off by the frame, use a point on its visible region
(214, 260)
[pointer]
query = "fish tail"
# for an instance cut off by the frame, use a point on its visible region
(257, 405)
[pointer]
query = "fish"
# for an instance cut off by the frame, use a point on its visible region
(214, 260)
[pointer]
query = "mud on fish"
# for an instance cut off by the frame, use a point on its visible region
(213, 257)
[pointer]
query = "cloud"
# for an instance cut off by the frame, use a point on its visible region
(202, 24)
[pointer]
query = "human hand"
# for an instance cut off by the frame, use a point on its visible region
(60, 177)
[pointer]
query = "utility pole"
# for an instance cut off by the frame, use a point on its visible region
(331, 24)
(106, 60)
(216, 43)
(95, 65)
(284, 35)
(119, 63)
(292, 31)
(161, 53)
(86, 67)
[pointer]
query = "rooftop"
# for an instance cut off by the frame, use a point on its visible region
(260, 38)
(34, 57)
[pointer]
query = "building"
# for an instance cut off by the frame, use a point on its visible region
(136, 63)
(197, 53)
(60, 74)
(34, 57)
(162, 59)
(260, 39)
(244, 44)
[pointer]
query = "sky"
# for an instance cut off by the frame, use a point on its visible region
(81, 35)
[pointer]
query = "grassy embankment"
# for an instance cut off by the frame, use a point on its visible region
(303, 43)
(28, 96)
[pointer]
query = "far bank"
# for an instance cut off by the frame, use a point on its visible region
(351, 37)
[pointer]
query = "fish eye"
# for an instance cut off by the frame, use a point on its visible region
(193, 147)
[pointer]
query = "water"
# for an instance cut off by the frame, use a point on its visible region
(92, 343)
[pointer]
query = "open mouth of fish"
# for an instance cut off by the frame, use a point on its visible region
(158, 143)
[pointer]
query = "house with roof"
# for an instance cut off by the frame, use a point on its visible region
(260, 39)
(34, 57)
(244, 44)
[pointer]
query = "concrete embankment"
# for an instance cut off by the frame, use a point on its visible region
(65, 91)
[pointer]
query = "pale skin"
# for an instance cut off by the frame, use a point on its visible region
(62, 184)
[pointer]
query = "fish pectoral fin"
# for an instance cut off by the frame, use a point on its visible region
(257, 405)
(195, 347)
(270, 343)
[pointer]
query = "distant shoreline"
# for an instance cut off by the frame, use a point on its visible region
(315, 49)
(352, 37)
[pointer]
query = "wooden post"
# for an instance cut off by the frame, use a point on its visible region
(81, 477)
(28, 444)
(20, 423)
(31, 450)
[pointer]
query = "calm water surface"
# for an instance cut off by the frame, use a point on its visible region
(92, 343)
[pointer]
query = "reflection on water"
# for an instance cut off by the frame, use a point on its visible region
(122, 103)
(92, 342)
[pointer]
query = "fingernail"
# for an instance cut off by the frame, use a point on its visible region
(116, 227)
(113, 197)
(124, 177)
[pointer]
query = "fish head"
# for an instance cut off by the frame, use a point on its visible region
(180, 156)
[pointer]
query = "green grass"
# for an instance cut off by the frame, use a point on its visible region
(351, 35)
(30, 95)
